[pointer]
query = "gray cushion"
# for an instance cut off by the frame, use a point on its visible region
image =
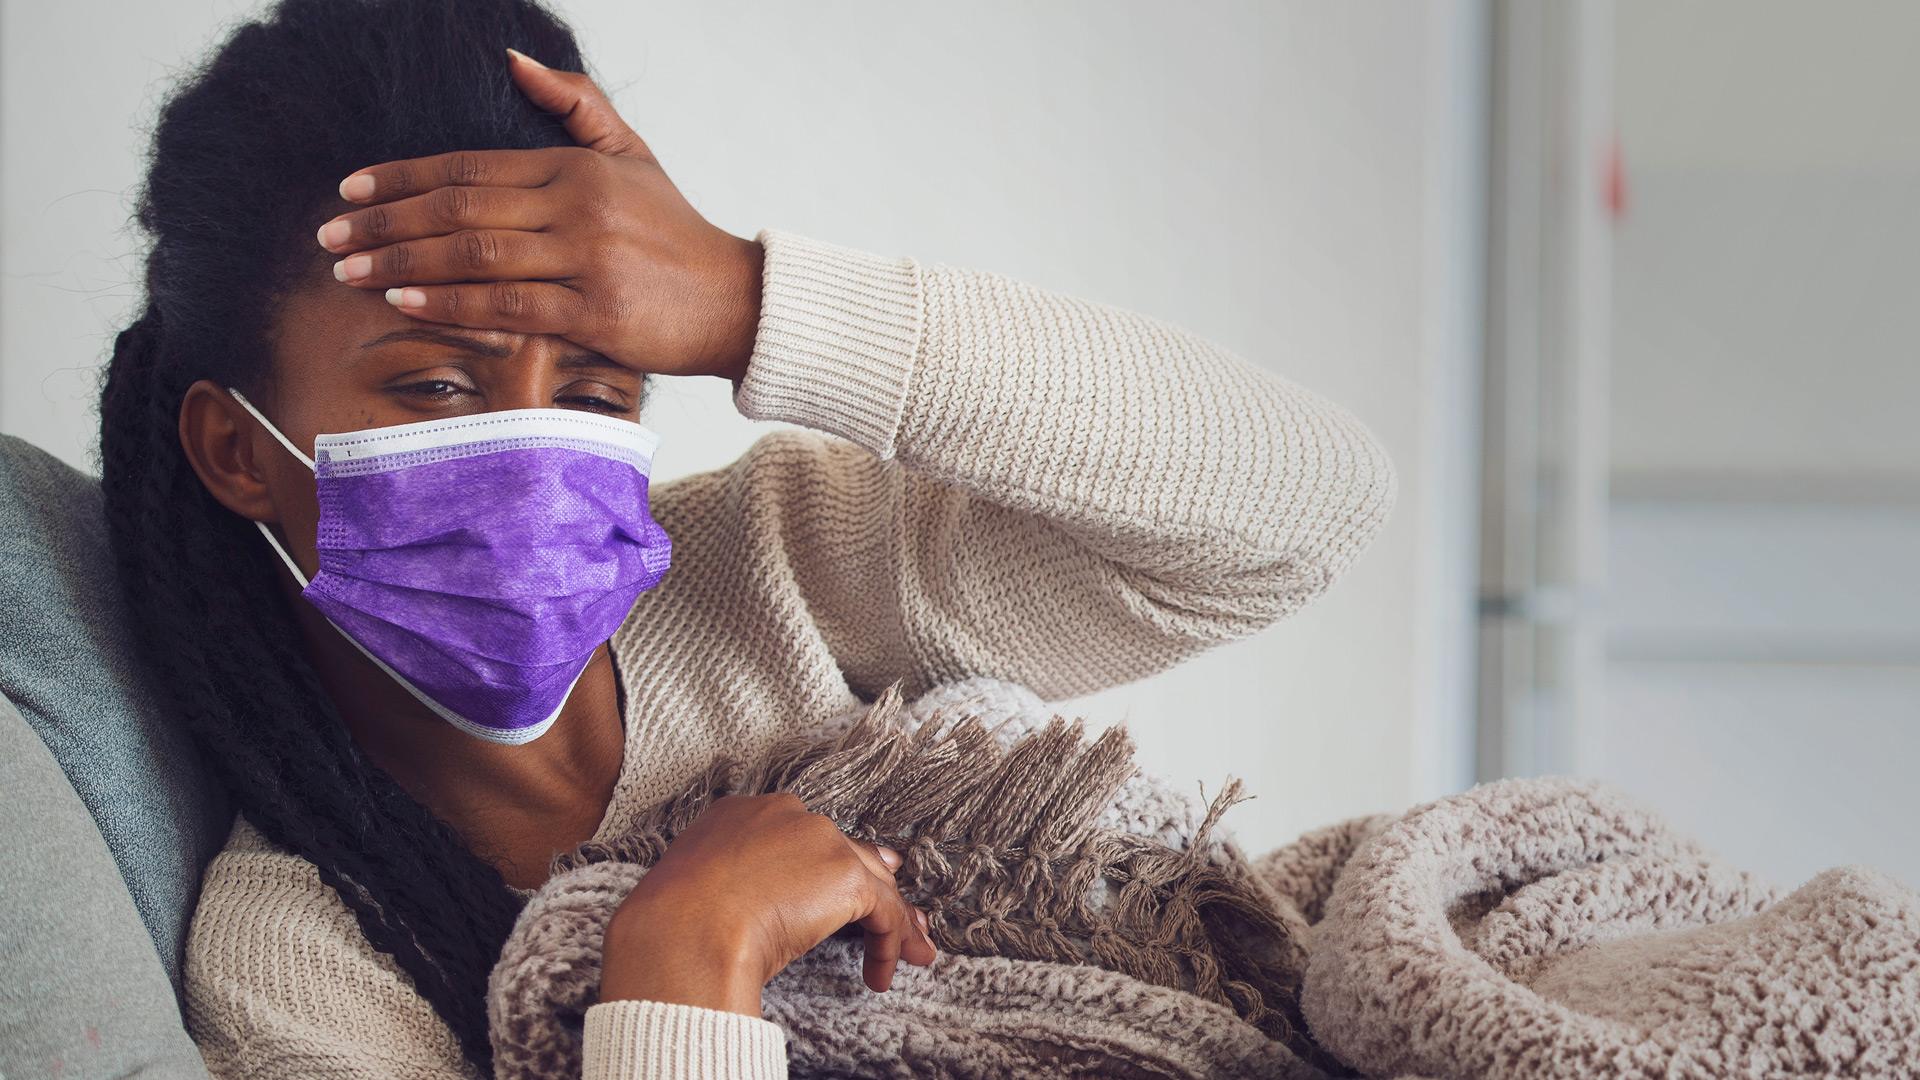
(67, 663)
(82, 993)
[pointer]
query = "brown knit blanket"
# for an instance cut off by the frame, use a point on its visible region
(1552, 928)
(1091, 923)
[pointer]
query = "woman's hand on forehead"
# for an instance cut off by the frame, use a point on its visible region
(592, 243)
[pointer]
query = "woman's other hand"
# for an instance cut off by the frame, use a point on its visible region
(752, 885)
(592, 243)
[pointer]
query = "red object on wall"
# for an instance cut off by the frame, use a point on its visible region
(1613, 183)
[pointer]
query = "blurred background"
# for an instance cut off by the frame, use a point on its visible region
(1630, 291)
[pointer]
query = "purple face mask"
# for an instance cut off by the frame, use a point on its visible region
(480, 560)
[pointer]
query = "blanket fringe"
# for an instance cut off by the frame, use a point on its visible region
(1004, 851)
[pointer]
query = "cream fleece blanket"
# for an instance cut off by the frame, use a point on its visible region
(1548, 928)
(1092, 924)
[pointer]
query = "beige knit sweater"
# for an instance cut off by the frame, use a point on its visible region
(1025, 485)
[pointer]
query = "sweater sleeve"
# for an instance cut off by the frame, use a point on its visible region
(281, 982)
(648, 1040)
(1046, 490)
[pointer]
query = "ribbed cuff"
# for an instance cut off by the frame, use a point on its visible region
(651, 1040)
(836, 343)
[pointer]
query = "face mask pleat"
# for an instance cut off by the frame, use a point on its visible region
(582, 555)
(477, 630)
(486, 692)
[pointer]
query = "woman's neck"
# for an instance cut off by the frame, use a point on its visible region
(516, 806)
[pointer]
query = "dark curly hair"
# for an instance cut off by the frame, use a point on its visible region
(243, 169)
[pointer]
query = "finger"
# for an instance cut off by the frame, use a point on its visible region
(585, 112)
(475, 255)
(926, 952)
(916, 937)
(881, 860)
(887, 927)
(884, 863)
(462, 168)
(525, 307)
(895, 931)
(436, 213)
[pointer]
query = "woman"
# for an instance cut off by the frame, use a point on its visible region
(364, 217)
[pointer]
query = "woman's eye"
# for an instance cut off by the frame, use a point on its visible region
(594, 402)
(435, 389)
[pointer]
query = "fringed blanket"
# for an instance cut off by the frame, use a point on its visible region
(1092, 923)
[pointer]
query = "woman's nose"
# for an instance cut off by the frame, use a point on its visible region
(525, 380)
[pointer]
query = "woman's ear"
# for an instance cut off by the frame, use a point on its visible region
(222, 444)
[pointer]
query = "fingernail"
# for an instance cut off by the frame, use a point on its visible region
(889, 856)
(406, 298)
(518, 55)
(334, 234)
(353, 268)
(357, 187)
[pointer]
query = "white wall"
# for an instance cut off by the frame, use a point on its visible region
(1763, 678)
(1770, 255)
(1763, 674)
(1297, 180)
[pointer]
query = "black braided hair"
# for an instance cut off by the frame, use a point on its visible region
(243, 168)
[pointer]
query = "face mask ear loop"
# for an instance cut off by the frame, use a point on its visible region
(292, 566)
(271, 430)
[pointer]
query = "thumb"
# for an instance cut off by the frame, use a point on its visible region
(586, 113)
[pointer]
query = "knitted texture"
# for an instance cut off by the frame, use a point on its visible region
(1536, 929)
(993, 1019)
(647, 1038)
(1029, 486)
(1027, 893)
(1527, 928)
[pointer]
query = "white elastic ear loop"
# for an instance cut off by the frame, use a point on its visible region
(291, 449)
(274, 431)
(292, 566)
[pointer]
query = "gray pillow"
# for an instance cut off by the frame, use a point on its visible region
(82, 993)
(68, 664)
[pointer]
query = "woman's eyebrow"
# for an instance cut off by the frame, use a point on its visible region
(442, 337)
(576, 361)
(450, 339)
